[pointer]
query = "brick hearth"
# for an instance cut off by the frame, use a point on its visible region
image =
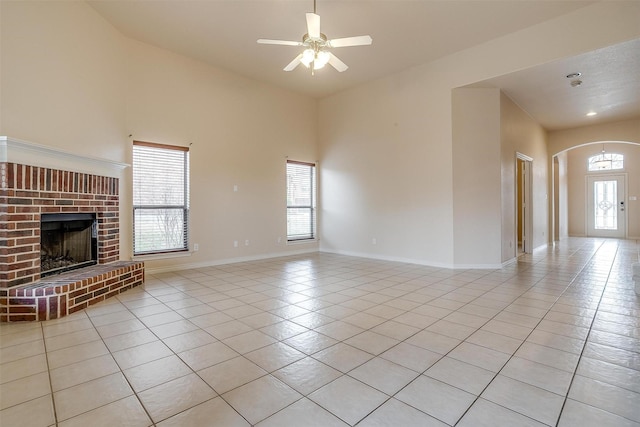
(58, 296)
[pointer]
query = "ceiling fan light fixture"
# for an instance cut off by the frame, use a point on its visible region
(315, 54)
(322, 58)
(307, 57)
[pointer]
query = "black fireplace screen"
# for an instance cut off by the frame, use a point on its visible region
(67, 242)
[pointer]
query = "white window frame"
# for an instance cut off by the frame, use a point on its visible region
(607, 162)
(158, 149)
(292, 206)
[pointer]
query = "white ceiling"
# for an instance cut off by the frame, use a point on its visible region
(610, 87)
(405, 33)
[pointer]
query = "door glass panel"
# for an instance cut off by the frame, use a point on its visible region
(605, 205)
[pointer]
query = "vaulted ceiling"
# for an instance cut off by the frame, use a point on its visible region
(405, 33)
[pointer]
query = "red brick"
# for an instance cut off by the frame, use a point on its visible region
(23, 209)
(53, 307)
(77, 307)
(96, 300)
(63, 305)
(27, 177)
(21, 309)
(28, 194)
(27, 257)
(42, 308)
(28, 241)
(19, 201)
(22, 318)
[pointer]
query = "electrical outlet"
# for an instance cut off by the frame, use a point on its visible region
(196, 247)
(279, 239)
(235, 243)
(246, 242)
(374, 241)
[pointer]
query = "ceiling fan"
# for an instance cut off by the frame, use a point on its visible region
(315, 54)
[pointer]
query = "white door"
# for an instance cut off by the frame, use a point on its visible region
(606, 206)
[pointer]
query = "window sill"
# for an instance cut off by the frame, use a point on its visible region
(166, 255)
(301, 241)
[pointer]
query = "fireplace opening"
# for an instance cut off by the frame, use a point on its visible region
(67, 242)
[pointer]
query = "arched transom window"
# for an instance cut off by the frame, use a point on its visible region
(606, 161)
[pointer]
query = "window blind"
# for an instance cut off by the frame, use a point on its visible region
(301, 200)
(160, 198)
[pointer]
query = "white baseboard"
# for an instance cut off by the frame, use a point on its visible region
(204, 264)
(416, 261)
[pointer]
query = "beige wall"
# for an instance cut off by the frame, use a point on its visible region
(624, 130)
(489, 131)
(521, 134)
(561, 186)
(240, 133)
(575, 145)
(476, 176)
(63, 84)
(386, 147)
(577, 185)
(386, 171)
(63, 78)
(70, 81)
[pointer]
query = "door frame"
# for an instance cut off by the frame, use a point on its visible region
(603, 176)
(527, 208)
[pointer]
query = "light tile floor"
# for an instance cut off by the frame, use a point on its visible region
(330, 340)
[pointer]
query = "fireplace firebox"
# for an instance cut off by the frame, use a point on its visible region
(68, 241)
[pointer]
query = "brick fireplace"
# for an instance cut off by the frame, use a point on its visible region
(29, 191)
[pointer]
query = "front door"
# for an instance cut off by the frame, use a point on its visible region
(606, 206)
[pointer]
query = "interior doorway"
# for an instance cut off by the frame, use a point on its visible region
(606, 206)
(524, 223)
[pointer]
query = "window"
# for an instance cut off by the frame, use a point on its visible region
(160, 198)
(606, 161)
(605, 195)
(301, 201)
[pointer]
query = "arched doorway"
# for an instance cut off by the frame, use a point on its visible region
(601, 202)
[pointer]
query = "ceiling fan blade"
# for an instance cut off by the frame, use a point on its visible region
(313, 25)
(337, 63)
(293, 64)
(280, 42)
(350, 41)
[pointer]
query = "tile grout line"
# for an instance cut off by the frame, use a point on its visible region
(566, 397)
(46, 355)
(355, 283)
(120, 368)
(525, 340)
(442, 356)
(175, 354)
